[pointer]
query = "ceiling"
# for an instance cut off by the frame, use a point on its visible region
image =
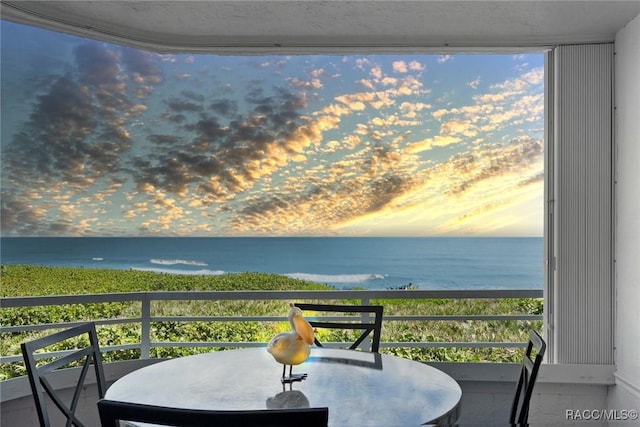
(241, 26)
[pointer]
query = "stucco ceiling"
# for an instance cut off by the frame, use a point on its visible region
(246, 25)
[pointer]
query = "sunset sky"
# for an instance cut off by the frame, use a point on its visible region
(104, 140)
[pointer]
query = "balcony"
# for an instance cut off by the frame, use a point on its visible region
(487, 387)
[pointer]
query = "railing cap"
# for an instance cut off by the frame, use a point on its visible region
(268, 295)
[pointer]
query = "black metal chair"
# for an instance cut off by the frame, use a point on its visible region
(39, 373)
(112, 412)
(528, 374)
(368, 326)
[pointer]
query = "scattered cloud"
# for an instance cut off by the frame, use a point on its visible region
(130, 142)
(400, 66)
(474, 83)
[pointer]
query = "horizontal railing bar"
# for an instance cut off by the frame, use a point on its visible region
(451, 344)
(59, 325)
(342, 344)
(61, 353)
(197, 344)
(11, 359)
(337, 318)
(443, 317)
(459, 317)
(8, 302)
(218, 319)
(107, 348)
(438, 318)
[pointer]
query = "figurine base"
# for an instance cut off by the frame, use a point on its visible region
(293, 378)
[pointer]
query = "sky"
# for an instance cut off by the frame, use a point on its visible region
(105, 140)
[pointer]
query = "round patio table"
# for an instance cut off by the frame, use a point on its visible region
(359, 388)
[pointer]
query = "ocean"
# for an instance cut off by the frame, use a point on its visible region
(342, 262)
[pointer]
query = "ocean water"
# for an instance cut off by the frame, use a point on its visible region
(342, 262)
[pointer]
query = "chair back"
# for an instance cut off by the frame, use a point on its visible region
(369, 326)
(39, 373)
(528, 374)
(112, 412)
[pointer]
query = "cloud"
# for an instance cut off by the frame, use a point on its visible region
(167, 213)
(389, 81)
(474, 83)
(459, 127)
(317, 73)
(367, 83)
(444, 58)
(164, 139)
(224, 159)
(275, 63)
(127, 141)
(73, 134)
(518, 84)
(142, 66)
(416, 66)
(75, 138)
(430, 143)
(376, 72)
(226, 108)
(314, 83)
(19, 214)
(194, 96)
(97, 66)
(322, 198)
(411, 109)
(470, 192)
(180, 106)
(400, 66)
(489, 161)
(509, 103)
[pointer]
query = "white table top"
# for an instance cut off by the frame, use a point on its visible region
(359, 388)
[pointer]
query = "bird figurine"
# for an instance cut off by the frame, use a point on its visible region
(292, 348)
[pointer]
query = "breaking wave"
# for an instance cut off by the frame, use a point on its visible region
(335, 278)
(201, 272)
(178, 261)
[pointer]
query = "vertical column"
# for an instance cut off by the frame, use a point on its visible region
(583, 292)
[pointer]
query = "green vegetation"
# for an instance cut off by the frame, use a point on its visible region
(39, 280)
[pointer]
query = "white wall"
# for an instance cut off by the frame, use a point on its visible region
(626, 393)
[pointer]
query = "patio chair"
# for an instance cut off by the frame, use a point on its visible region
(113, 412)
(520, 407)
(41, 373)
(371, 326)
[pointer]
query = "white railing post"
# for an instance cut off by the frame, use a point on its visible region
(145, 319)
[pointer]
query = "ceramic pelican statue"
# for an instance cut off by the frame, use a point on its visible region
(292, 348)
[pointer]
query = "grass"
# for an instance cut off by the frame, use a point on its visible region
(22, 280)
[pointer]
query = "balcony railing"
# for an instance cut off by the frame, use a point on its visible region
(146, 318)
